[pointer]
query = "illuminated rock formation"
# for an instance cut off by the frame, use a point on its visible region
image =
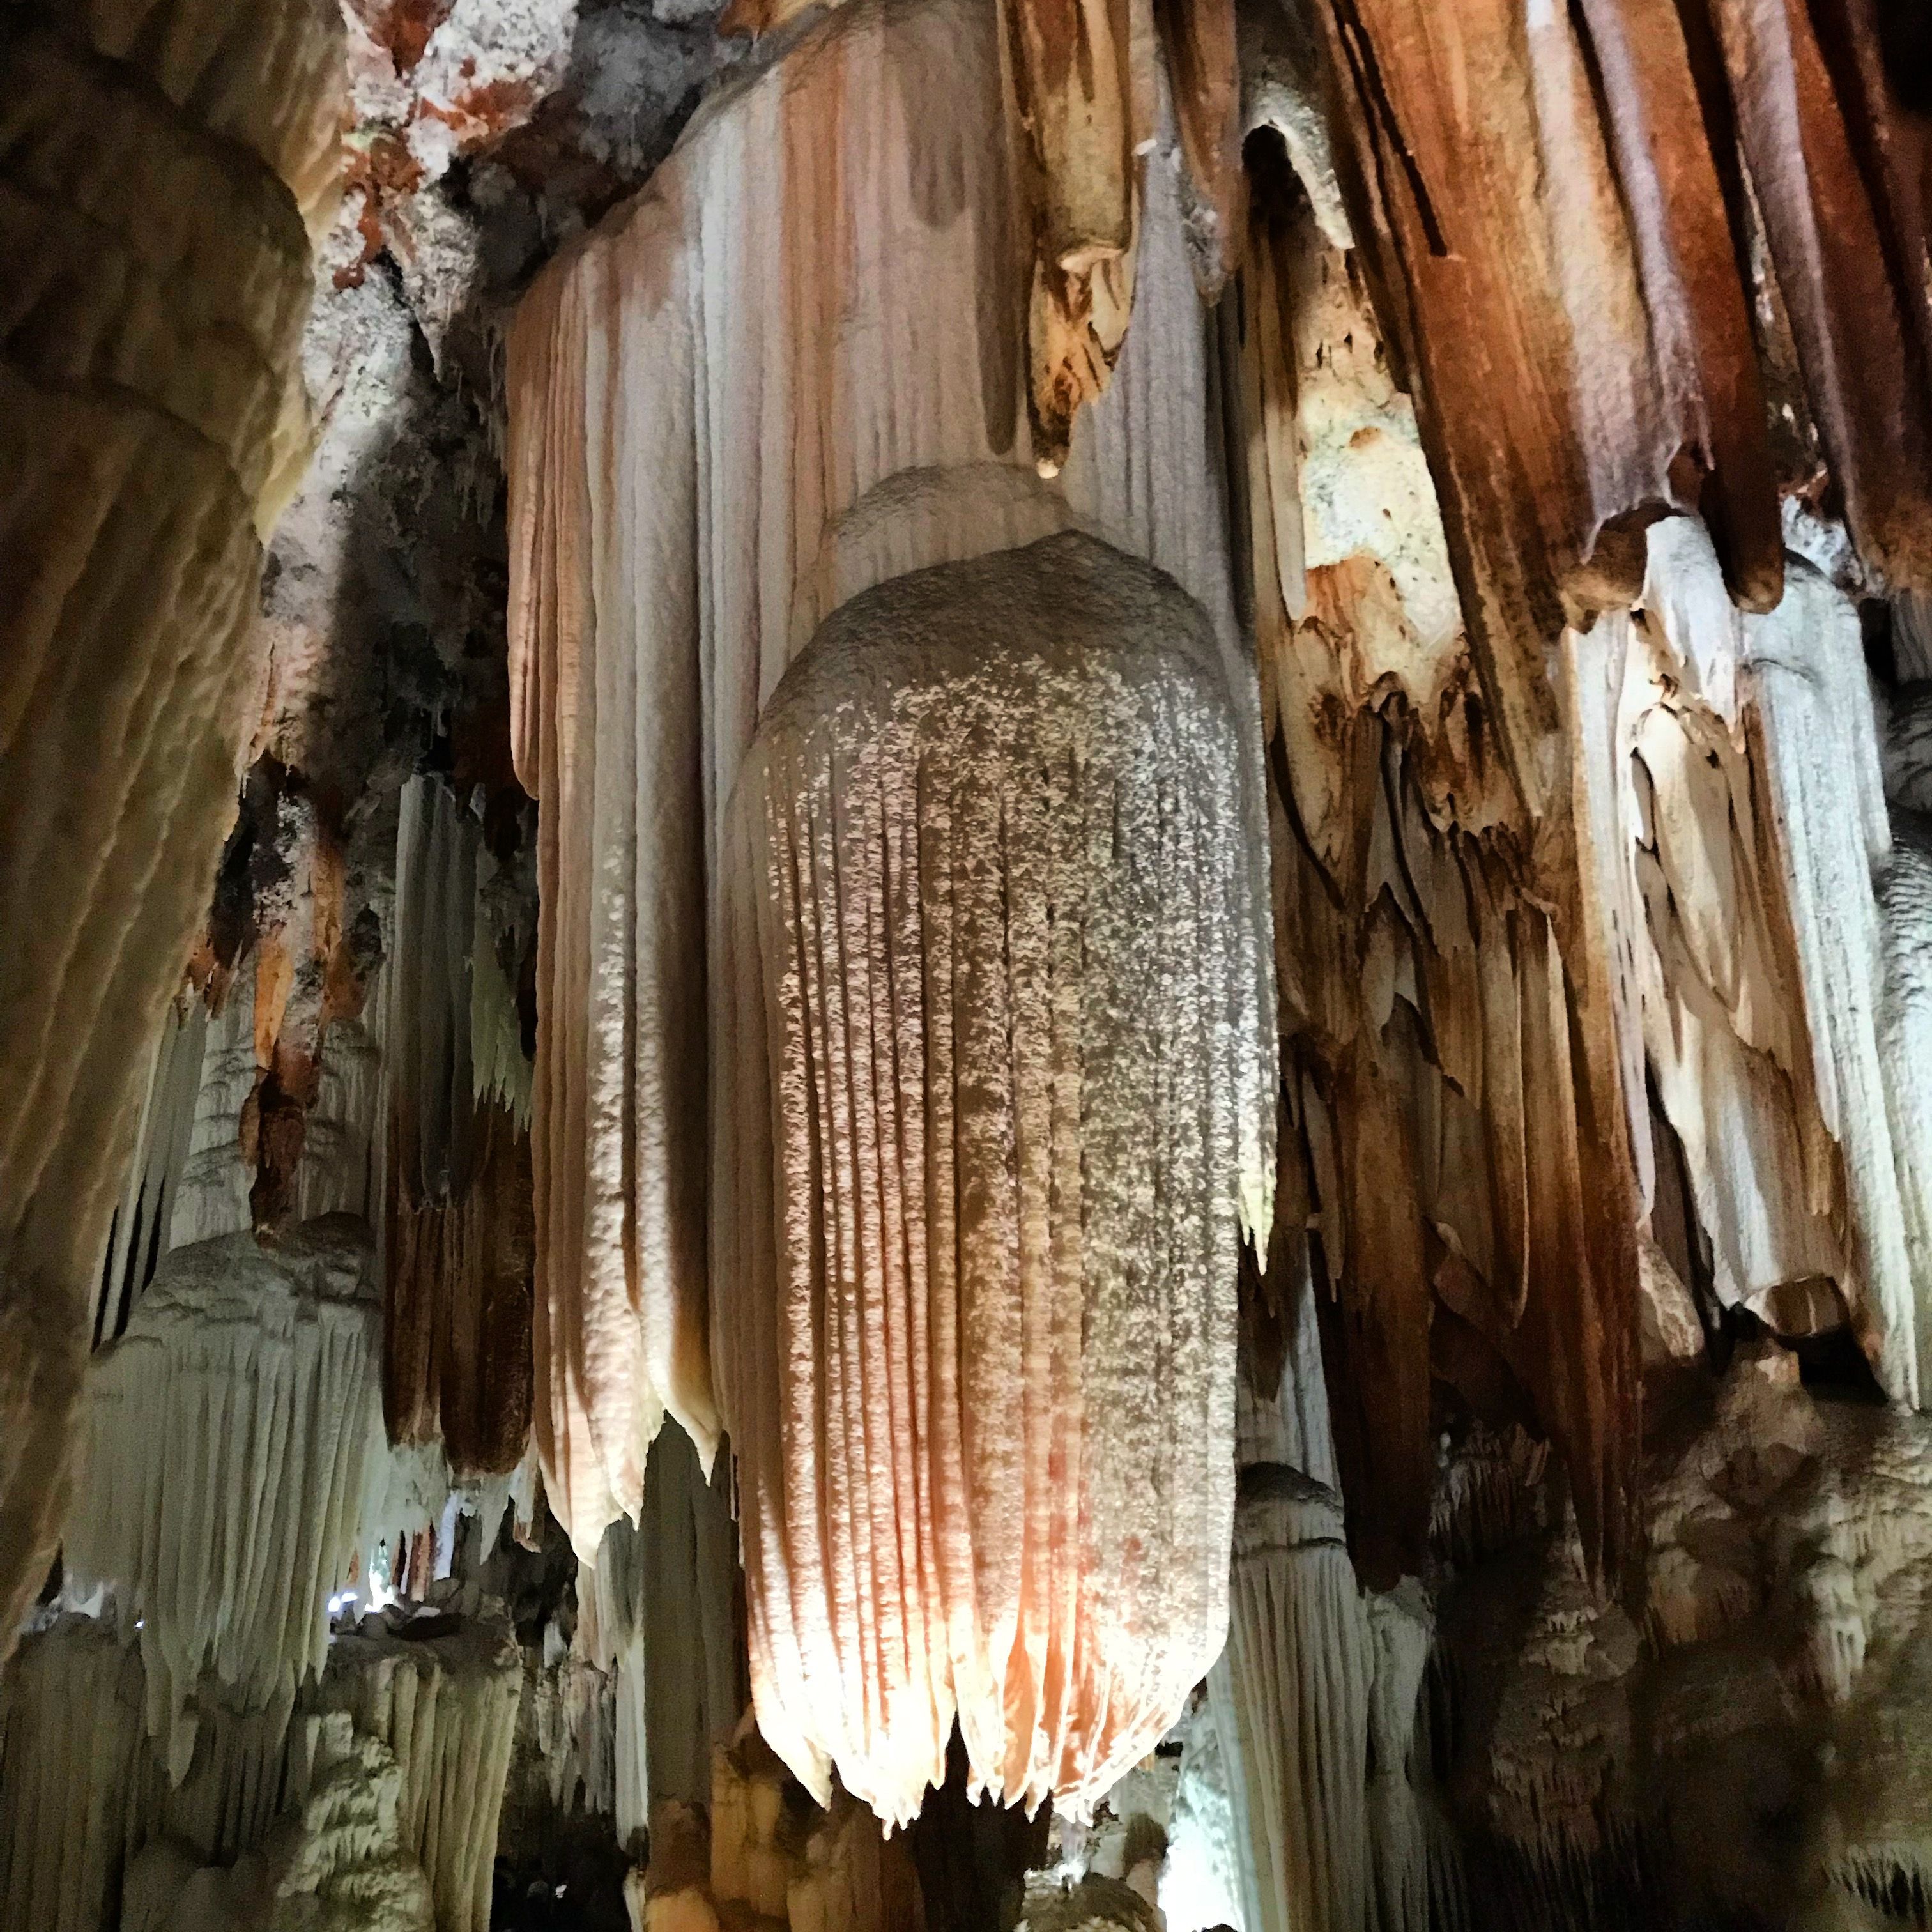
(833, 461)
(998, 1077)
(231, 1433)
(337, 1862)
(165, 167)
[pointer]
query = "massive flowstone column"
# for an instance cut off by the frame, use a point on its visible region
(828, 283)
(996, 1077)
(164, 167)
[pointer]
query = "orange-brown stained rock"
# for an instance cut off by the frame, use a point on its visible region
(1072, 68)
(1838, 164)
(1550, 265)
(456, 1310)
(1198, 37)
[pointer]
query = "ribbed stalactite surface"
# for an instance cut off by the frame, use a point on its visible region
(1292, 1700)
(229, 1436)
(999, 1105)
(791, 369)
(159, 165)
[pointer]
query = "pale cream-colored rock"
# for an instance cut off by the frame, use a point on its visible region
(230, 1436)
(158, 164)
(1291, 1700)
(441, 1694)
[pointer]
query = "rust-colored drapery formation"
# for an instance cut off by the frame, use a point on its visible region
(1614, 293)
(456, 1340)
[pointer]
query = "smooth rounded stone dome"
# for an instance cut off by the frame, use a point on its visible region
(995, 1102)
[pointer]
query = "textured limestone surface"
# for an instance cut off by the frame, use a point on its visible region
(162, 171)
(647, 628)
(440, 1691)
(997, 1085)
(233, 1433)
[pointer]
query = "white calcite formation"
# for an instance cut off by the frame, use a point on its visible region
(83, 1788)
(818, 220)
(165, 167)
(1290, 1702)
(74, 1775)
(231, 1434)
(1200, 1881)
(998, 1078)
(338, 1863)
(1773, 960)
(441, 1692)
(143, 1217)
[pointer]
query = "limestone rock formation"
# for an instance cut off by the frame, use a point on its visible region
(661, 1613)
(71, 1776)
(456, 1357)
(1223, 898)
(998, 1082)
(337, 1864)
(232, 1432)
(1735, 1748)
(860, 469)
(440, 1692)
(165, 167)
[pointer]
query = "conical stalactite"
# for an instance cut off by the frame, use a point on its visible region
(442, 1695)
(1084, 110)
(1847, 242)
(457, 1230)
(1001, 1108)
(834, 457)
(230, 1433)
(662, 1611)
(165, 168)
(306, 983)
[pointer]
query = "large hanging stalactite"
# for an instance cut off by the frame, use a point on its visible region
(163, 169)
(647, 628)
(998, 1077)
